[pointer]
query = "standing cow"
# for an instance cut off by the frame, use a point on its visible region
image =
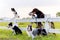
(40, 14)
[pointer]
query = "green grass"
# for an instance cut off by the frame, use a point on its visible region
(8, 35)
(20, 24)
(57, 24)
(3, 23)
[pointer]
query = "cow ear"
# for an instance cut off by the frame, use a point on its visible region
(12, 9)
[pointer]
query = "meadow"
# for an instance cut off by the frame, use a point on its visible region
(8, 35)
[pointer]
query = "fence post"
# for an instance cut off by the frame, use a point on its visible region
(46, 26)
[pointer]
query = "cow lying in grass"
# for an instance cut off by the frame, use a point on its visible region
(15, 28)
(33, 32)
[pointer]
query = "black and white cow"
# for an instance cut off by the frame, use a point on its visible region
(39, 14)
(33, 32)
(15, 28)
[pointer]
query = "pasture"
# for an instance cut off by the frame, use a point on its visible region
(8, 35)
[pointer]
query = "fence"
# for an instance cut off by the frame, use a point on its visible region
(46, 20)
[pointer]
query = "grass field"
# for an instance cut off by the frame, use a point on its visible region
(8, 35)
(57, 24)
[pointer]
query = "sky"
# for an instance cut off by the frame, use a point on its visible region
(23, 7)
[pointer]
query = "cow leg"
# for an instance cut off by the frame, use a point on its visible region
(52, 26)
(39, 25)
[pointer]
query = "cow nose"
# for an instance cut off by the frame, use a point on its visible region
(30, 14)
